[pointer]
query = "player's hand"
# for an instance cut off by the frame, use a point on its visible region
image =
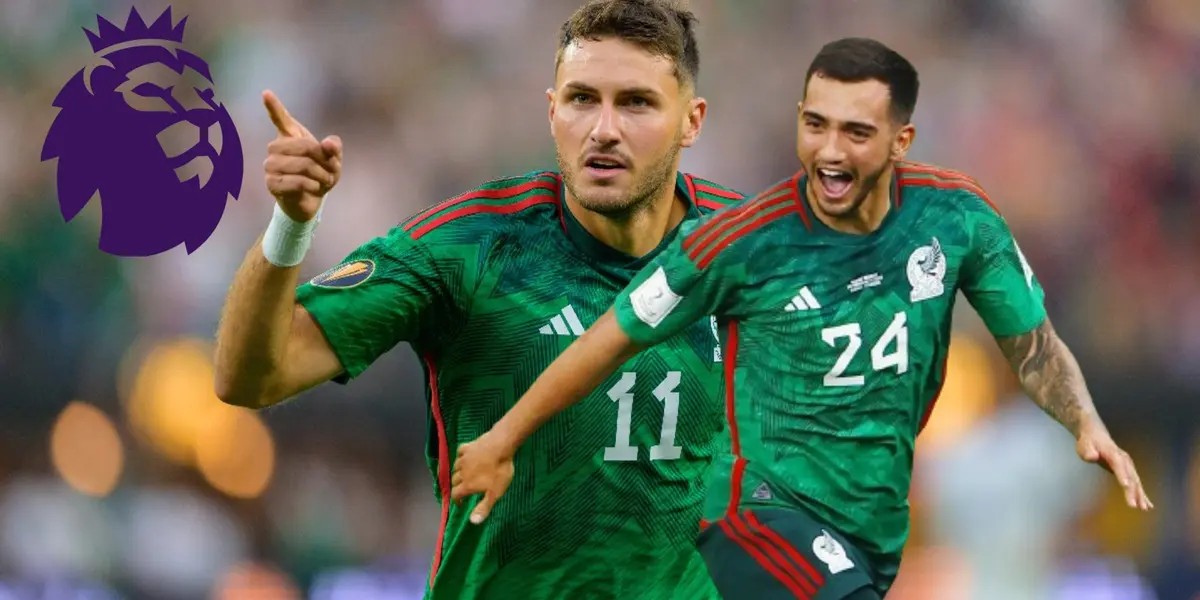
(483, 466)
(1095, 445)
(299, 169)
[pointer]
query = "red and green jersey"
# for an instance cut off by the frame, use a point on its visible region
(834, 344)
(488, 288)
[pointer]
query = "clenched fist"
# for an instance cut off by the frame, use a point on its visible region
(299, 169)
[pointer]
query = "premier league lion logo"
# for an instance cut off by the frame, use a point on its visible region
(142, 127)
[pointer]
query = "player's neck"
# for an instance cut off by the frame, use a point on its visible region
(638, 233)
(870, 214)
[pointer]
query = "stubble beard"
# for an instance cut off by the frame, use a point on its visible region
(642, 192)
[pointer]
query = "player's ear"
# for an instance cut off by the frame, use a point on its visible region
(903, 141)
(694, 120)
(550, 99)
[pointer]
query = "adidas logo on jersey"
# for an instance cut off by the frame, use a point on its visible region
(803, 301)
(762, 492)
(564, 323)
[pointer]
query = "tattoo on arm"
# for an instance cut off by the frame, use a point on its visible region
(1050, 375)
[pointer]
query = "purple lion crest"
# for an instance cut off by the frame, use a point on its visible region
(141, 127)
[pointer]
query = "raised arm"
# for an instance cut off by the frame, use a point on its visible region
(277, 339)
(268, 348)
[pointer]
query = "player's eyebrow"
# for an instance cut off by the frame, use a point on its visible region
(855, 125)
(576, 86)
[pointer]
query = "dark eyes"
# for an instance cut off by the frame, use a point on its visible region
(635, 101)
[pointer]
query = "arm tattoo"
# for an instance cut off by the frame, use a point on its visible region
(1050, 375)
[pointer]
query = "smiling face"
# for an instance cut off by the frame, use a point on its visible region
(620, 116)
(847, 140)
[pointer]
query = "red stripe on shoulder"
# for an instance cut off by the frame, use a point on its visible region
(474, 209)
(716, 191)
(498, 193)
(737, 223)
(695, 236)
(764, 217)
(923, 175)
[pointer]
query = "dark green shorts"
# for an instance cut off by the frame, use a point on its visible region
(781, 554)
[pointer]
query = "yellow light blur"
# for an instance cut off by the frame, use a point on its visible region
(1119, 530)
(173, 406)
(237, 455)
(86, 450)
(968, 394)
(172, 397)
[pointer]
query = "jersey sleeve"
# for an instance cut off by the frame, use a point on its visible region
(689, 280)
(386, 291)
(998, 281)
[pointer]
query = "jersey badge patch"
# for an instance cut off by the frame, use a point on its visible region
(926, 269)
(654, 299)
(831, 552)
(345, 275)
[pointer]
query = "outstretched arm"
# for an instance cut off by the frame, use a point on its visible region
(486, 464)
(582, 367)
(1000, 283)
(1051, 376)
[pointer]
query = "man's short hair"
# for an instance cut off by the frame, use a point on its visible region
(661, 27)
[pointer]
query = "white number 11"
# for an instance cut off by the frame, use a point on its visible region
(622, 394)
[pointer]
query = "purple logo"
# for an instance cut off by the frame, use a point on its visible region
(141, 127)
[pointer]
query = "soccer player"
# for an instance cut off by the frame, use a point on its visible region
(488, 287)
(834, 292)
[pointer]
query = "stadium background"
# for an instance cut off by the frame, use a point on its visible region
(122, 472)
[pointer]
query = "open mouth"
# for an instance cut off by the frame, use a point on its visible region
(604, 166)
(834, 182)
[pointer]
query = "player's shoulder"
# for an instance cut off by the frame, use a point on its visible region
(745, 224)
(495, 206)
(948, 188)
(710, 196)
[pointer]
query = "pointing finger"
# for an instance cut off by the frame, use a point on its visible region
(285, 124)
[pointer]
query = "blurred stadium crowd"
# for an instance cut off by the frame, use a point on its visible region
(124, 477)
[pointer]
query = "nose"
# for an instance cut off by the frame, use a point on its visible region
(607, 128)
(830, 150)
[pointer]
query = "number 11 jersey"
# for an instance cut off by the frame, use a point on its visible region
(488, 288)
(835, 344)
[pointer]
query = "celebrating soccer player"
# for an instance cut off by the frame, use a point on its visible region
(834, 292)
(490, 286)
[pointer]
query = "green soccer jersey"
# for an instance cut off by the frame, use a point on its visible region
(488, 288)
(835, 344)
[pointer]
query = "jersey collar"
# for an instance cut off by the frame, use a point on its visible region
(596, 250)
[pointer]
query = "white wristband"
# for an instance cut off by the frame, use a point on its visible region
(286, 241)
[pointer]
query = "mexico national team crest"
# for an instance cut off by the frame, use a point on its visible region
(141, 127)
(926, 270)
(346, 275)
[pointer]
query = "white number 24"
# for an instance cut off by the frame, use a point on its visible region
(881, 358)
(622, 394)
